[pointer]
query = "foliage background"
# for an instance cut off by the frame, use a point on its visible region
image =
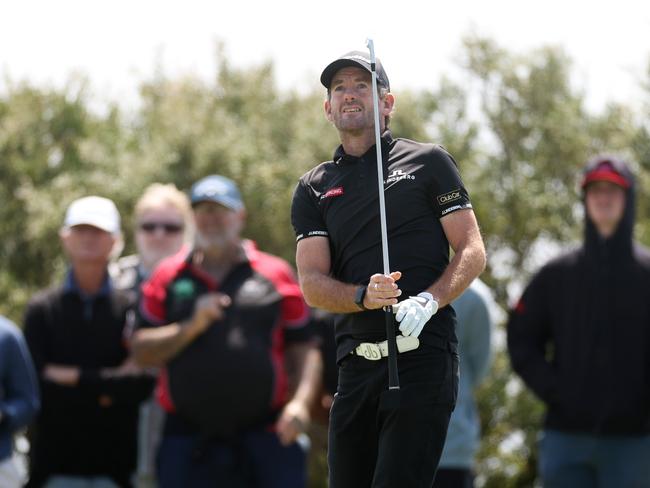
(516, 124)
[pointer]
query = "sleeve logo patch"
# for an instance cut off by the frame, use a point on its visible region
(333, 192)
(451, 196)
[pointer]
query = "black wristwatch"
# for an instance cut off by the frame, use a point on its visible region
(359, 295)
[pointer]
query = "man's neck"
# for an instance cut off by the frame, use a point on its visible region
(148, 261)
(357, 144)
(606, 231)
(218, 262)
(89, 277)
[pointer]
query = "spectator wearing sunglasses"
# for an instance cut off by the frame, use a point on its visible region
(162, 219)
(162, 225)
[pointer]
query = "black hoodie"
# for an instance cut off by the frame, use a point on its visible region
(580, 335)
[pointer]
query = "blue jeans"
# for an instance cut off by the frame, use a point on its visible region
(79, 482)
(255, 460)
(588, 461)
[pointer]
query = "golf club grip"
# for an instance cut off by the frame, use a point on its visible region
(393, 377)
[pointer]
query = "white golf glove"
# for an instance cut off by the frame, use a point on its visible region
(414, 312)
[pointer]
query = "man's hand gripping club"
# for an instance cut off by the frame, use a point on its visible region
(411, 314)
(382, 290)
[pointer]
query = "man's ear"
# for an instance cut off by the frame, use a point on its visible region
(388, 104)
(64, 233)
(327, 106)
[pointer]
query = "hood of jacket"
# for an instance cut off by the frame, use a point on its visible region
(619, 245)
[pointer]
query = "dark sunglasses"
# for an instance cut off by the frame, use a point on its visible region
(168, 227)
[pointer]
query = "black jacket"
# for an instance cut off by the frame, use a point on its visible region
(580, 335)
(89, 429)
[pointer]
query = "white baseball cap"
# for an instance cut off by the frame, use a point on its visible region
(96, 211)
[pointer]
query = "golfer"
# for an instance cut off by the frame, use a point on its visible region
(335, 213)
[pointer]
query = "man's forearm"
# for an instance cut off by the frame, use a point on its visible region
(324, 292)
(156, 346)
(307, 364)
(464, 267)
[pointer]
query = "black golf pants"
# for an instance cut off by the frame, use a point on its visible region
(378, 441)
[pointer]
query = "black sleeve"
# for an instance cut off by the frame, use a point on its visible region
(37, 334)
(306, 333)
(324, 326)
(121, 389)
(529, 333)
(449, 193)
(306, 217)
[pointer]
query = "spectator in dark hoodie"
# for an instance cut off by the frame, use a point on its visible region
(580, 339)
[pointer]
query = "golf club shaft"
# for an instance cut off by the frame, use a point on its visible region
(393, 378)
(380, 170)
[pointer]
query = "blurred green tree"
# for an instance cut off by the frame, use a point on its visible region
(515, 123)
(523, 169)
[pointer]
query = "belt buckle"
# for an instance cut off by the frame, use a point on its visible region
(369, 351)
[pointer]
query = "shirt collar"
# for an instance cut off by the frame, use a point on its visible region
(341, 156)
(70, 285)
(251, 254)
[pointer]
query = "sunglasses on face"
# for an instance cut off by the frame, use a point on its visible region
(167, 227)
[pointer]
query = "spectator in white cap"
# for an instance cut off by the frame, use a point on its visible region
(97, 216)
(86, 432)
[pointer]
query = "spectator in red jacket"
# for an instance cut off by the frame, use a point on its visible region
(228, 324)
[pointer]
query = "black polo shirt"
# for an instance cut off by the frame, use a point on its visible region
(233, 376)
(339, 200)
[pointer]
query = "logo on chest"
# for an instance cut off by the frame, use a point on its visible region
(253, 289)
(256, 292)
(183, 289)
(398, 175)
(332, 192)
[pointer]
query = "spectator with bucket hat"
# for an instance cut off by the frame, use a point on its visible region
(227, 323)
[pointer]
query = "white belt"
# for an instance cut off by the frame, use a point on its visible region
(374, 351)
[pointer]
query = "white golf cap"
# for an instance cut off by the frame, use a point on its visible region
(96, 211)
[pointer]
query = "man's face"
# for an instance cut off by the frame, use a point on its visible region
(217, 226)
(87, 244)
(605, 203)
(350, 105)
(159, 232)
